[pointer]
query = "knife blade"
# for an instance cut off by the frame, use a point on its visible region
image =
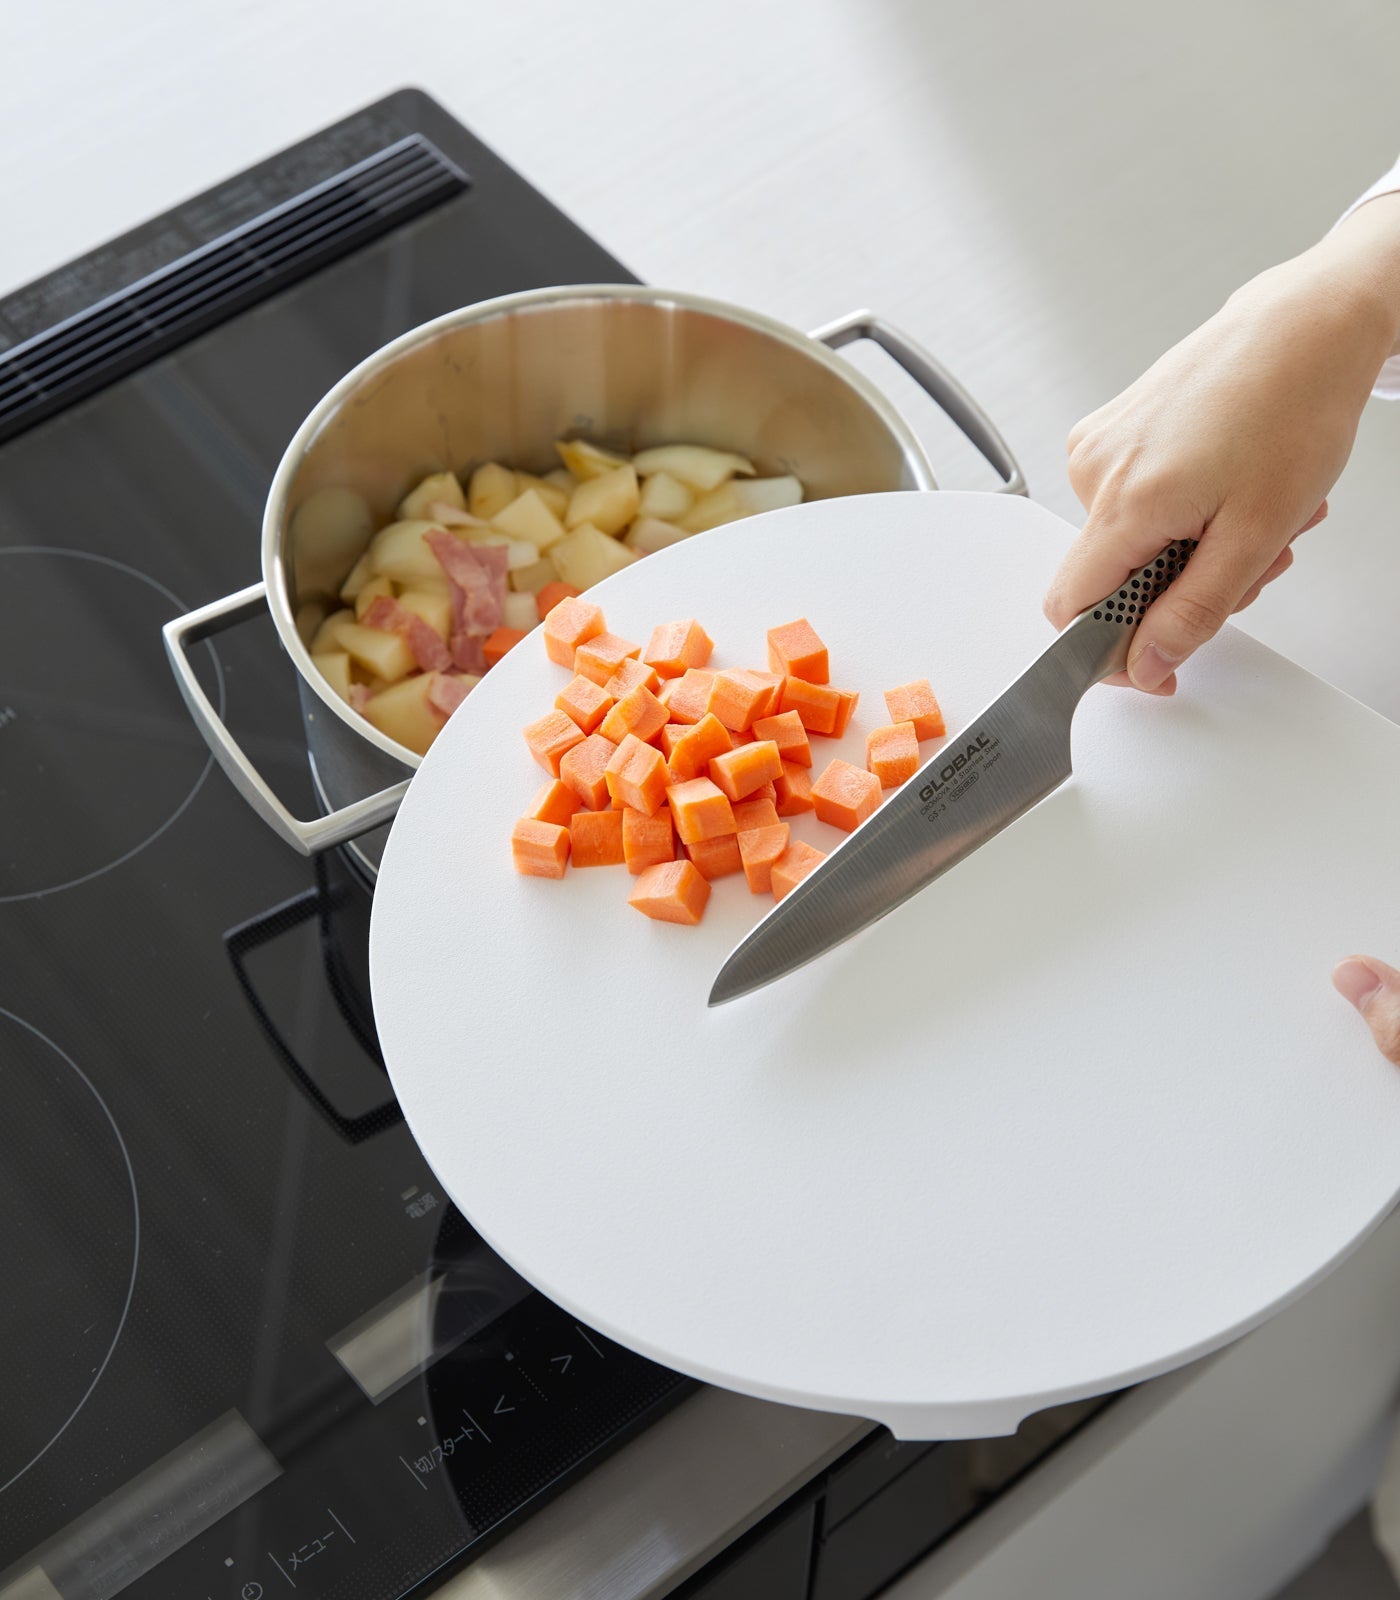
(1000, 765)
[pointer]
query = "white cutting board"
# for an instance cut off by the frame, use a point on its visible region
(1086, 1108)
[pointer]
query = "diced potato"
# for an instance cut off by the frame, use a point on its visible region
(587, 556)
(309, 619)
(587, 460)
(492, 489)
(697, 466)
(561, 478)
(403, 713)
(608, 502)
(531, 579)
(520, 552)
(520, 612)
(370, 593)
(400, 552)
(334, 667)
(528, 517)
(555, 497)
(357, 577)
(327, 636)
(386, 655)
(433, 606)
(710, 510)
(664, 496)
(440, 487)
(768, 494)
(326, 535)
(648, 534)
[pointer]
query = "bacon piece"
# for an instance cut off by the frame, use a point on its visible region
(447, 692)
(468, 653)
(477, 574)
(386, 613)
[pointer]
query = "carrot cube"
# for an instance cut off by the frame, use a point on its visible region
(914, 702)
(699, 810)
(786, 731)
(687, 698)
(892, 753)
(765, 791)
(671, 735)
(816, 705)
(584, 767)
(774, 680)
(794, 790)
(845, 710)
(795, 863)
(716, 858)
(696, 745)
(583, 701)
(671, 892)
(636, 776)
(599, 656)
(739, 772)
(759, 849)
(629, 675)
(647, 841)
(737, 696)
(742, 736)
(638, 712)
(675, 647)
(498, 641)
(845, 796)
(749, 814)
(551, 738)
(569, 623)
(540, 849)
(597, 838)
(795, 651)
(556, 802)
(551, 595)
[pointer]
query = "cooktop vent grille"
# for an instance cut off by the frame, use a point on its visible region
(76, 357)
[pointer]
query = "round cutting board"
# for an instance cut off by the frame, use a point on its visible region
(1085, 1108)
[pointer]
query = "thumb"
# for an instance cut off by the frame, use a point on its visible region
(1374, 989)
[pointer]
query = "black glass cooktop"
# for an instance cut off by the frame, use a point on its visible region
(246, 1345)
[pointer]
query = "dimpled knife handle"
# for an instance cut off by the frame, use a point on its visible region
(1128, 604)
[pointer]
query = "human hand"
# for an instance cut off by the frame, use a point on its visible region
(1374, 989)
(1233, 438)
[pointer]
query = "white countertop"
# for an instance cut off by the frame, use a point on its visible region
(1047, 196)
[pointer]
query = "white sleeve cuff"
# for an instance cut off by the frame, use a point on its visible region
(1388, 382)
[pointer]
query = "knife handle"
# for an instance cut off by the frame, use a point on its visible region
(1099, 638)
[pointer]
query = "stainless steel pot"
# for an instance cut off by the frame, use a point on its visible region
(629, 367)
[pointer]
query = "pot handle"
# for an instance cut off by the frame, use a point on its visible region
(937, 382)
(308, 838)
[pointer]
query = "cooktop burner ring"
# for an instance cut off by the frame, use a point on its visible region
(187, 791)
(61, 1055)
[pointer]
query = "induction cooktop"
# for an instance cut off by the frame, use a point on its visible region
(246, 1345)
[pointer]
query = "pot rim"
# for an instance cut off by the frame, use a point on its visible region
(275, 511)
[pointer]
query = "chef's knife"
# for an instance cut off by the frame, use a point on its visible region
(982, 780)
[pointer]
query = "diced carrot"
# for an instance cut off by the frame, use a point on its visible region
(786, 731)
(795, 863)
(759, 848)
(794, 790)
(845, 795)
(750, 814)
(699, 810)
(742, 736)
(675, 647)
(636, 776)
(556, 802)
(774, 680)
(892, 753)
(737, 696)
(647, 841)
(816, 705)
(739, 772)
(597, 838)
(796, 651)
(601, 655)
(583, 769)
(550, 596)
(498, 641)
(540, 849)
(671, 892)
(671, 736)
(847, 700)
(696, 744)
(766, 791)
(569, 623)
(716, 858)
(638, 712)
(687, 698)
(914, 702)
(583, 701)
(551, 738)
(629, 675)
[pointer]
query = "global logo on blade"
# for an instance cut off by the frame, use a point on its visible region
(951, 769)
